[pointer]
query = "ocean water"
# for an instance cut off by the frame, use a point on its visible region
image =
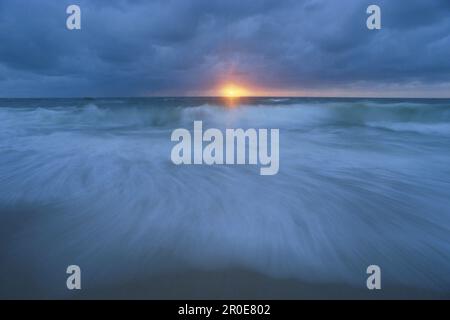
(90, 182)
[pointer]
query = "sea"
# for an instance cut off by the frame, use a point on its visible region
(90, 182)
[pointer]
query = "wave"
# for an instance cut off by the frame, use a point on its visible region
(98, 188)
(290, 116)
(421, 128)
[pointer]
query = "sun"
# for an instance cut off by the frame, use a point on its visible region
(233, 91)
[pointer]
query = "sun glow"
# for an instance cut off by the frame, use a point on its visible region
(232, 91)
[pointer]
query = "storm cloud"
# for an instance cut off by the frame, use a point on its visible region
(189, 47)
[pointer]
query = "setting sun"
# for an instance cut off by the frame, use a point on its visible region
(233, 91)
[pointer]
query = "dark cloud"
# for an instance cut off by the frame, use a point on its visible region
(182, 47)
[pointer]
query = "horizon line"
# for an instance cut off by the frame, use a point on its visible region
(221, 97)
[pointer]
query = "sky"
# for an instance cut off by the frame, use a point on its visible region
(195, 47)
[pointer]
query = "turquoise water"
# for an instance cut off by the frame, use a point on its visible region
(90, 182)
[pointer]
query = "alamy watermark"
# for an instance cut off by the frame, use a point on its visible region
(73, 22)
(374, 20)
(74, 280)
(374, 280)
(235, 146)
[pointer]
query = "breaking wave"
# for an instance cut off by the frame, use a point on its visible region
(361, 182)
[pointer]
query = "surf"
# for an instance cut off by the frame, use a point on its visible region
(95, 180)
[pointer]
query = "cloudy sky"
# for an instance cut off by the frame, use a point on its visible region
(192, 47)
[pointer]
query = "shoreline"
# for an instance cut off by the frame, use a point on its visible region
(240, 284)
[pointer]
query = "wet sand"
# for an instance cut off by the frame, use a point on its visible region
(242, 284)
